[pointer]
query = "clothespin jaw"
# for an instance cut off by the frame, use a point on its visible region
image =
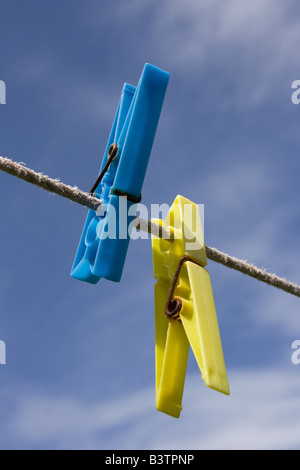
(185, 312)
(105, 238)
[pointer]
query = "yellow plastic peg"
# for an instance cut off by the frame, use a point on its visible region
(185, 313)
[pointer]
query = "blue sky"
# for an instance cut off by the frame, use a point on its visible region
(80, 357)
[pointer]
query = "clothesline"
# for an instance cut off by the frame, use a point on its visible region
(74, 194)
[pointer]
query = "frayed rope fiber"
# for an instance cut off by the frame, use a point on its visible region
(49, 184)
(80, 197)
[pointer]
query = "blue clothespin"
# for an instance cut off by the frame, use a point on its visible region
(105, 238)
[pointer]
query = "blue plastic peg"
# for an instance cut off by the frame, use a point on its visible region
(105, 238)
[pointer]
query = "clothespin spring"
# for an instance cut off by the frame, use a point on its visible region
(174, 305)
(111, 154)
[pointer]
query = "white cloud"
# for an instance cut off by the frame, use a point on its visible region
(236, 40)
(261, 413)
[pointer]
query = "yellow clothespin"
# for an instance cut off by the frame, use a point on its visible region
(184, 309)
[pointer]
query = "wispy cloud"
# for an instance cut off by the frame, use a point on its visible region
(261, 413)
(234, 41)
(217, 146)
